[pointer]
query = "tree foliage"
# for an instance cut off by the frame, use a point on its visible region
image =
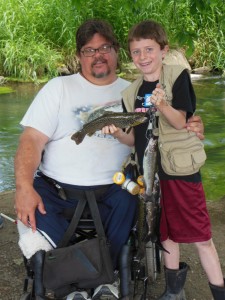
(37, 36)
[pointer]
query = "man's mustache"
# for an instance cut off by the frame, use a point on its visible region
(100, 59)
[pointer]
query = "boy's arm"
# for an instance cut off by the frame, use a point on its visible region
(119, 134)
(177, 118)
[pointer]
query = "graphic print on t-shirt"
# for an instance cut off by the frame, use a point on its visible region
(88, 113)
(144, 104)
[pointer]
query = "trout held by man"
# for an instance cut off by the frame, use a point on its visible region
(121, 120)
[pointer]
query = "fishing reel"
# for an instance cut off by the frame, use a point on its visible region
(128, 184)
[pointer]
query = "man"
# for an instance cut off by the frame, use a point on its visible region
(59, 110)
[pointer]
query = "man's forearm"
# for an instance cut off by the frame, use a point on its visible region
(28, 157)
(27, 160)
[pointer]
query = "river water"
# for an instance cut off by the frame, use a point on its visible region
(12, 107)
(210, 93)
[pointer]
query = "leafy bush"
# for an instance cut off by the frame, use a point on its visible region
(38, 35)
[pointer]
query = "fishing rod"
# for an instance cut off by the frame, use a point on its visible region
(8, 218)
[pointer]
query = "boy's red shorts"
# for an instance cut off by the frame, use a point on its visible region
(184, 217)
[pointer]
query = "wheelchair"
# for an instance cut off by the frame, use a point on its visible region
(135, 272)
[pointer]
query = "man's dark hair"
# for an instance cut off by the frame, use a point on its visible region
(90, 27)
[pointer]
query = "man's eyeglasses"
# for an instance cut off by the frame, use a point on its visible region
(91, 51)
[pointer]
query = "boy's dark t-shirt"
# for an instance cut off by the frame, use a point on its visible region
(183, 99)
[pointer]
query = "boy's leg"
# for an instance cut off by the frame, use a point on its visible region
(171, 259)
(185, 219)
(175, 272)
(210, 262)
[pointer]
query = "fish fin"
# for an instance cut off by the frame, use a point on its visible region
(107, 112)
(78, 137)
(90, 133)
(160, 246)
(149, 198)
(154, 239)
(128, 130)
(138, 122)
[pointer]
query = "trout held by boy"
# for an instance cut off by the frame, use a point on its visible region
(121, 120)
(151, 187)
(149, 166)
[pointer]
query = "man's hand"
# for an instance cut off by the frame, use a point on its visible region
(196, 125)
(27, 200)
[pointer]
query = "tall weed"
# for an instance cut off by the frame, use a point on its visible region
(38, 35)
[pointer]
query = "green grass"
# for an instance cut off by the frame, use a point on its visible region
(6, 90)
(213, 173)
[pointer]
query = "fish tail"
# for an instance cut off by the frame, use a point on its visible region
(160, 246)
(78, 137)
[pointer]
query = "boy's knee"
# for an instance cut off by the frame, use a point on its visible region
(204, 244)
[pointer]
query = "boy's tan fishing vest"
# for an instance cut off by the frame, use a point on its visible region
(182, 153)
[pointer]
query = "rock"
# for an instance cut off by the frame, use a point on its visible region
(202, 70)
(63, 70)
(2, 79)
(176, 57)
(18, 261)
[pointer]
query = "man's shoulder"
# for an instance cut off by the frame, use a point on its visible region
(123, 82)
(60, 80)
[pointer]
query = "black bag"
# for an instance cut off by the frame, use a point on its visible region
(86, 264)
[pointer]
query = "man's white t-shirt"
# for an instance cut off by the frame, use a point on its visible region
(59, 110)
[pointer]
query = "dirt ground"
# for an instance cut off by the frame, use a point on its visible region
(12, 270)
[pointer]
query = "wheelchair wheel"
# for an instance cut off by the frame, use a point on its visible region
(153, 260)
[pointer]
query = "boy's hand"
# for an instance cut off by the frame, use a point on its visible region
(158, 97)
(113, 130)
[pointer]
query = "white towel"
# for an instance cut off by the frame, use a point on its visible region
(30, 242)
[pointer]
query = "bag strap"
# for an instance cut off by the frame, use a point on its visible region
(91, 199)
(95, 213)
(73, 223)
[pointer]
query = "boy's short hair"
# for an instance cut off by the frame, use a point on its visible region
(90, 27)
(148, 29)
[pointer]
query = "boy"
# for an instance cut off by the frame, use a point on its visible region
(184, 214)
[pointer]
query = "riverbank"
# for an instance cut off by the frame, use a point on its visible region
(13, 272)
